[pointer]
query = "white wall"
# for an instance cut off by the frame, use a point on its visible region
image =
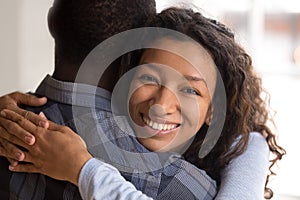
(26, 50)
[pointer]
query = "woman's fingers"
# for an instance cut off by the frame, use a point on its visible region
(38, 120)
(12, 162)
(14, 124)
(19, 137)
(27, 99)
(12, 100)
(10, 151)
(26, 167)
(56, 127)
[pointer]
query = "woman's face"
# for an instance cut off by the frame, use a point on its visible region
(170, 95)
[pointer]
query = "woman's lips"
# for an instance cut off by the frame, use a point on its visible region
(162, 126)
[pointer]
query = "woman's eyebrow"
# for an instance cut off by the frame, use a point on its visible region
(193, 78)
(157, 66)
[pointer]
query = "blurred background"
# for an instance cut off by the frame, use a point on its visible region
(268, 29)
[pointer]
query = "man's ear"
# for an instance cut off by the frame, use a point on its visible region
(209, 115)
(51, 22)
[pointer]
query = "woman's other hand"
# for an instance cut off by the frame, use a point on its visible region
(10, 140)
(57, 152)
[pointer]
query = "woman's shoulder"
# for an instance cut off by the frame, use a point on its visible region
(257, 140)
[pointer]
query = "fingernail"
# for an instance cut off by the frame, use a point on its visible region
(28, 139)
(42, 115)
(18, 155)
(42, 124)
(3, 113)
(14, 163)
(11, 168)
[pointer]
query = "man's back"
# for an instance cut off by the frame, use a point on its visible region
(77, 27)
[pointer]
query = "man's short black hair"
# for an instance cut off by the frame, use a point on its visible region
(80, 25)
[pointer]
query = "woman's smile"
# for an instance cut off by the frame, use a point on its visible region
(161, 126)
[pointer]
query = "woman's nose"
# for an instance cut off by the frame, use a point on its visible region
(165, 102)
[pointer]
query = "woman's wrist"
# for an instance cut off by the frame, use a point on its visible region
(78, 165)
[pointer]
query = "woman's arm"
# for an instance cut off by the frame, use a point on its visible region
(99, 180)
(245, 176)
(61, 154)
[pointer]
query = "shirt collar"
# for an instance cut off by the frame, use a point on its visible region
(76, 94)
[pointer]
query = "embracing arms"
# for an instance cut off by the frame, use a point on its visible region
(238, 171)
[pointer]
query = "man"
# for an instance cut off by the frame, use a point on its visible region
(77, 27)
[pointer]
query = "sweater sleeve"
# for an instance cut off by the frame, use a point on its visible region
(245, 176)
(98, 180)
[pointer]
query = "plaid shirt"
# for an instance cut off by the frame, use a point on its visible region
(87, 111)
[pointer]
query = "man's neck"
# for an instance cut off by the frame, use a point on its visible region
(65, 73)
(68, 73)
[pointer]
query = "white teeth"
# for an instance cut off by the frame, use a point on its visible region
(165, 127)
(155, 125)
(150, 123)
(159, 126)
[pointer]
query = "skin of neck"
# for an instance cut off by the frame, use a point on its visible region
(64, 71)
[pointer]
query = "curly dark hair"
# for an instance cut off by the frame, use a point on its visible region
(246, 110)
(80, 25)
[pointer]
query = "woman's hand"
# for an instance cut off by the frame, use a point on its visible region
(9, 141)
(57, 152)
(13, 100)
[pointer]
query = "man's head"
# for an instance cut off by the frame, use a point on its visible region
(79, 25)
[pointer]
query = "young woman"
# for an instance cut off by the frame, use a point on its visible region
(174, 104)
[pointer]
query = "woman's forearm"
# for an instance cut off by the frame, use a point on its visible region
(98, 180)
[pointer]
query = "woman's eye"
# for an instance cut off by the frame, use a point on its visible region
(147, 79)
(191, 91)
